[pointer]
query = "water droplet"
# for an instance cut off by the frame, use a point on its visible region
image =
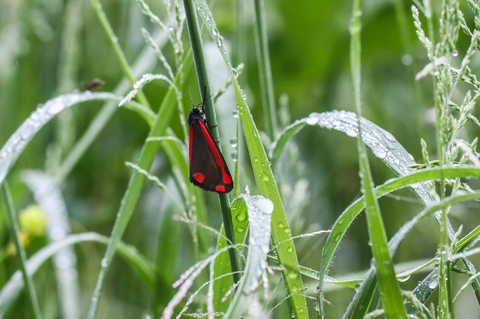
(266, 178)
(312, 119)
(233, 142)
(455, 53)
(115, 39)
(55, 108)
(351, 132)
(241, 217)
(433, 284)
(235, 113)
(104, 263)
(290, 249)
(240, 229)
(234, 155)
(379, 152)
(242, 92)
(293, 275)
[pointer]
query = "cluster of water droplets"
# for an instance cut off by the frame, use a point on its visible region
(44, 113)
(382, 143)
(146, 78)
(259, 216)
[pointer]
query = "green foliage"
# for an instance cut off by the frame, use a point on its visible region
(284, 242)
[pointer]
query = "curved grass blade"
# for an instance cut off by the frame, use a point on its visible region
(12, 288)
(42, 115)
(350, 213)
(368, 285)
(260, 220)
(264, 179)
(382, 143)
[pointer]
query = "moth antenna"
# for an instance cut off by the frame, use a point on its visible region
(190, 95)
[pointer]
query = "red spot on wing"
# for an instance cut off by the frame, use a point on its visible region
(199, 177)
(220, 188)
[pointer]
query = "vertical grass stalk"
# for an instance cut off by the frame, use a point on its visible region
(204, 87)
(265, 70)
(389, 288)
(117, 49)
(14, 227)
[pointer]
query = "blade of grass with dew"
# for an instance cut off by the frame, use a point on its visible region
(349, 214)
(363, 292)
(14, 228)
(259, 211)
(137, 180)
(265, 180)
(42, 115)
(194, 32)
(145, 61)
(389, 288)
(222, 267)
(51, 201)
(13, 287)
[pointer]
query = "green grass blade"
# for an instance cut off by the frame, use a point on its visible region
(222, 266)
(97, 6)
(137, 180)
(14, 227)
(265, 70)
(264, 179)
(167, 259)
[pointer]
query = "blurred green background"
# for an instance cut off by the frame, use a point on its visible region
(52, 47)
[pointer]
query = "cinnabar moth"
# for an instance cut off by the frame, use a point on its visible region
(208, 169)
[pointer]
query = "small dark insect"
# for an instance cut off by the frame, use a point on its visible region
(208, 169)
(94, 85)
